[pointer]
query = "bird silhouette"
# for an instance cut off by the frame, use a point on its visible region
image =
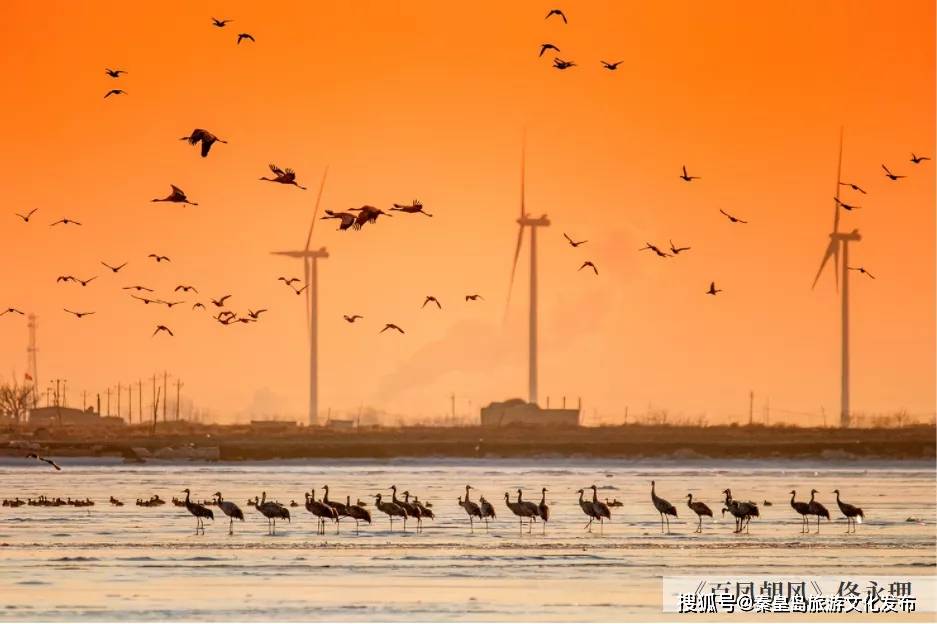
(891, 176)
(26, 216)
(138, 288)
(560, 64)
(220, 23)
(844, 205)
(391, 326)
(114, 269)
(352, 318)
(686, 177)
(170, 304)
(861, 270)
(557, 12)
(185, 288)
(207, 138)
(712, 289)
(573, 243)
(299, 291)
(611, 66)
(65, 278)
(85, 282)
(159, 258)
(255, 314)
(431, 299)
(676, 250)
(220, 302)
(12, 311)
(367, 214)
(854, 187)
(177, 196)
(114, 73)
(198, 306)
(225, 319)
(65, 221)
(243, 36)
(474, 297)
(347, 219)
(114, 92)
(413, 207)
(145, 300)
(655, 249)
(547, 46)
(163, 328)
(77, 314)
(283, 176)
(44, 459)
(917, 159)
(588, 263)
(731, 218)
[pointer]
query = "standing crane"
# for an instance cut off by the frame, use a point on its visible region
(271, 511)
(851, 512)
(664, 508)
(339, 507)
(413, 510)
(700, 509)
(743, 511)
(230, 509)
(199, 511)
(472, 509)
(803, 509)
(601, 509)
(321, 511)
(520, 510)
(358, 512)
(817, 509)
(391, 509)
(587, 508)
(487, 509)
(544, 509)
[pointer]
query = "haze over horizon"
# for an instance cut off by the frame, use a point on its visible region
(431, 102)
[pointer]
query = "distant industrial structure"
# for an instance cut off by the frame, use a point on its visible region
(59, 416)
(520, 412)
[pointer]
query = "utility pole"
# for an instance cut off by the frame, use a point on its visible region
(118, 398)
(99, 404)
(108, 400)
(129, 403)
(178, 394)
(140, 400)
(154, 403)
(31, 351)
(84, 400)
(165, 377)
(751, 408)
(452, 398)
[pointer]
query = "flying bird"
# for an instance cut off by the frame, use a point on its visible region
(352, 318)
(688, 178)
(431, 299)
(114, 92)
(220, 23)
(676, 250)
(557, 12)
(243, 36)
(220, 302)
(256, 314)
(588, 263)
(159, 258)
(170, 304)
(731, 218)
(65, 278)
(185, 288)
(474, 297)
(547, 46)
(844, 205)
(11, 311)
(145, 300)
(198, 305)
(712, 289)
(283, 176)
(177, 196)
(163, 328)
(655, 249)
(413, 207)
(861, 270)
(207, 138)
(65, 221)
(44, 459)
(391, 326)
(573, 243)
(560, 64)
(87, 281)
(26, 216)
(138, 288)
(891, 176)
(917, 159)
(288, 281)
(611, 66)
(347, 219)
(114, 73)
(854, 187)
(299, 291)
(77, 314)
(114, 269)
(367, 214)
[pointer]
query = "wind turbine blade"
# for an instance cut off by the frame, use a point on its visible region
(839, 178)
(306, 296)
(831, 250)
(517, 253)
(315, 212)
(523, 172)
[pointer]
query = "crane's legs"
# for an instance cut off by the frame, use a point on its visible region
(231, 526)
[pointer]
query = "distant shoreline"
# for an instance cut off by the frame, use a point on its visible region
(690, 444)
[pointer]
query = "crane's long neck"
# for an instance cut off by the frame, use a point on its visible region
(793, 494)
(837, 497)
(581, 494)
(467, 493)
(811, 497)
(543, 497)
(187, 497)
(595, 495)
(325, 497)
(518, 496)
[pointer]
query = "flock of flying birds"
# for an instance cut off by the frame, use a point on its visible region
(562, 64)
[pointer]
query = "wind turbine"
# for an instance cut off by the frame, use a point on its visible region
(310, 271)
(840, 241)
(526, 221)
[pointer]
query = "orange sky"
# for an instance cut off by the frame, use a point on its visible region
(429, 100)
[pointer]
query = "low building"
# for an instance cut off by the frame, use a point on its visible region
(274, 426)
(58, 416)
(342, 424)
(520, 412)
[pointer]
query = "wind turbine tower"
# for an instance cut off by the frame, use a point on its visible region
(523, 221)
(310, 258)
(840, 241)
